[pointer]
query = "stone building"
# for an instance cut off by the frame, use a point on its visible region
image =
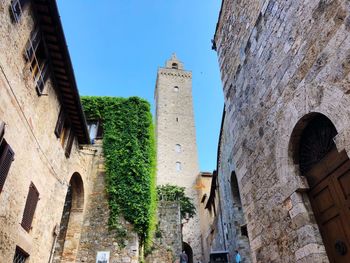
(52, 196)
(177, 159)
(285, 73)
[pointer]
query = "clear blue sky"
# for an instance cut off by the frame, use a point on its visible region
(116, 47)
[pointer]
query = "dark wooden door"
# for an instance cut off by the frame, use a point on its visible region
(330, 199)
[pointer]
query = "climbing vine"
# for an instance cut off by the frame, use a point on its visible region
(176, 193)
(129, 150)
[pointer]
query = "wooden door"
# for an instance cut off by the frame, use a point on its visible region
(330, 199)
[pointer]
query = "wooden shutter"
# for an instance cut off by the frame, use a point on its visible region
(69, 143)
(59, 124)
(6, 158)
(28, 214)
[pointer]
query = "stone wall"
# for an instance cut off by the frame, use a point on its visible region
(95, 233)
(175, 125)
(279, 61)
(168, 239)
(39, 157)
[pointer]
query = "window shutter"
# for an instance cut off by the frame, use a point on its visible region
(99, 134)
(28, 214)
(6, 158)
(59, 124)
(69, 143)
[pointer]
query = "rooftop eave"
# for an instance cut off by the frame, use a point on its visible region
(47, 15)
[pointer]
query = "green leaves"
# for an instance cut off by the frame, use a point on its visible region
(176, 193)
(129, 150)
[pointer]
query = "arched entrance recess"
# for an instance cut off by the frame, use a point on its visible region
(72, 218)
(328, 175)
(188, 250)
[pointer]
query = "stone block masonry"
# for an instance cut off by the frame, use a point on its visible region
(95, 234)
(279, 61)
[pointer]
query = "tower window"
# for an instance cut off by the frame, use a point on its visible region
(178, 166)
(176, 89)
(177, 119)
(174, 66)
(178, 148)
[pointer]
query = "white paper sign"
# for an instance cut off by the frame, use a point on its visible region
(102, 257)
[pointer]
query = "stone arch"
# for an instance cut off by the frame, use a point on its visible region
(296, 140)
(188, 250)
(71, 222)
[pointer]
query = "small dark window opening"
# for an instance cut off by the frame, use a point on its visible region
(36, 56)
(29, 209)
(16, 9)
(20, 255)
(244, 230)
(174, 66)
(177, 119)
(6, 159)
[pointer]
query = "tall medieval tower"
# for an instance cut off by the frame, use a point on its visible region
(177, 160)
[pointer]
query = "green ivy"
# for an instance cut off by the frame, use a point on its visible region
(129, 150)
(176, 193)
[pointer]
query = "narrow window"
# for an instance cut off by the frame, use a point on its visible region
(59, 124)
(37, 58)
(16, 9)
(178, 166)
(29, 209)
(6, 159)
(69, 144)
(20, 255)
(178, 148)
(174, 66)
(177, 119)
(244, 230)
(176, 89)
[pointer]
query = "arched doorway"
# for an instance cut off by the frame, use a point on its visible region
(188, 250)
(71, 221)
(328, 174)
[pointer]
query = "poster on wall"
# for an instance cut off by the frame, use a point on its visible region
(102, 257)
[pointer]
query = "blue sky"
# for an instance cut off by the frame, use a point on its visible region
(116, 47)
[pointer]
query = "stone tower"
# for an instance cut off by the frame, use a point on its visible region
(177, 160)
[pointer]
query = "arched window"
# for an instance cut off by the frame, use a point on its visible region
(178, 148)
(176, 89)
(174, 66)
(178, 166)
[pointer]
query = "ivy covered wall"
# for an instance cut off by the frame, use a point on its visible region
(129, 150)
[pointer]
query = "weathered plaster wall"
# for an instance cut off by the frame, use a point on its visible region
(279, 61)
(39, 157)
